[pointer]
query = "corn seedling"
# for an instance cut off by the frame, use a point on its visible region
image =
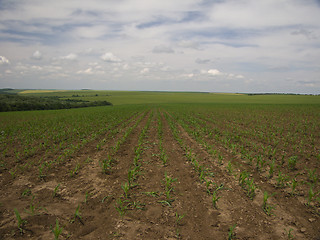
(208, 183)
(267, 208)
(20, 222)
(215, 199)
(32, 207)
(271, 169)
(121, 207)
(179, 218)
(251, 188)
(106, 166)
(152, 194)
(311, 194)
(75, 170)
(229, 167)
(292, 162)
(57, 230)
(242, 178)
(312, 175)
(164, 158)
(231, 233)
(289, 234)
(77, 215)
(293, 186)
(125, 188)
(26, 192)
(86, 197)
(281, 180)
(55, 191)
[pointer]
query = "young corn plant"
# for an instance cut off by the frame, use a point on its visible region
(271, 169)
(312, 175)
(231, 233)
(179, 218)
(311, 195)
(229, 167)
(251, 188)
(215, 199)
(57, 230)
(55, 191)
(20, 222)
(77, 215)
(293, 186)
(281, 180)
(267, 208)
(121, 207)
(292, 162)
(126, 188)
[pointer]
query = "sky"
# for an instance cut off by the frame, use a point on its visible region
(181, 45)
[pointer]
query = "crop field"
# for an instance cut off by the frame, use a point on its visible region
(227, 168)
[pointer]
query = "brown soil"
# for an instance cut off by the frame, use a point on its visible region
(149, 213)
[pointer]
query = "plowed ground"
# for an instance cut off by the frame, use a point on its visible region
(188, 213)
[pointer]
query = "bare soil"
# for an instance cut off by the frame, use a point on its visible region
(148, 214)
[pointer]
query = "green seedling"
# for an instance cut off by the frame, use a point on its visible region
(289, 234)
(86, 197)
(229, 167)
(292, 162)
(293, 185)
(106, 166)
(57, 230)
(166, 202)
(311, 194)
(271, 169)
(75, 170)
(312, 175)
(164, 158)
(32, 207)
(26, 192)
(77, 215)
(208, 183)
(215, 199)
(242, 178)
(231, 233)
(55, 191)
(137, 205)
(281, 180)
(20, 222)
(179, 218)
(152, 194)
(125, 188)
(13, 173)
(251, 188)
(267, 208)
(121, 207)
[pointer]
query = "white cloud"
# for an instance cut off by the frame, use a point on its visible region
(37, 55)
(145, 70)
(4, 60)
(214, 72)
(110, 57)
(87, 71)
(70, 57)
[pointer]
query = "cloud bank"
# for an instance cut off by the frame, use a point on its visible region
(217, 46)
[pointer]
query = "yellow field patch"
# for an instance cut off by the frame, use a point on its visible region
(40, 91)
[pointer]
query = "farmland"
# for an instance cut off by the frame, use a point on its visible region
(182, 166)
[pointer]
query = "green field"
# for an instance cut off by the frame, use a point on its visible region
(135, 97)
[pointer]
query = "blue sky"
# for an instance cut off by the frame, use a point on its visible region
(215, 46)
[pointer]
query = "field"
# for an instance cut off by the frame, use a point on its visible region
(163, 166)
